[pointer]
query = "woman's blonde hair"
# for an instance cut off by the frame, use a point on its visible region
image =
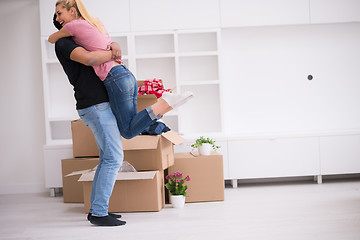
(81, 11)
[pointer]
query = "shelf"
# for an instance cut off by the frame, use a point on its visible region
(61, 130)
(58, 143)
(64, 118)
(198, 54)
(160, 68)
(49, 49)
(122, 41)
(52, 61)
(207, 82)
(171, 121)
(154, 56)
(154, 44)
(197, 42)
(200, 68)
(61, 94)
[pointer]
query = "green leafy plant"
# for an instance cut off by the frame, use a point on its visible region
(176, 183)
(201, 140)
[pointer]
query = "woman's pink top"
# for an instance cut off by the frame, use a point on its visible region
(89, 37)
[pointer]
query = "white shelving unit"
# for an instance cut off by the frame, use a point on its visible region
(185, 61)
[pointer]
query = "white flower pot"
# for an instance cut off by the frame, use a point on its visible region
(177, 201)
(205, 149)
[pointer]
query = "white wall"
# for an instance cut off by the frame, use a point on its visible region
(21, 98)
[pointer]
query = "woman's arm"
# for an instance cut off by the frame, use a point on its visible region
(87, 58)
(59, 34)
(116, 50)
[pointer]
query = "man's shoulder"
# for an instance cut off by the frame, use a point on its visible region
(64, 47)
(65, 42)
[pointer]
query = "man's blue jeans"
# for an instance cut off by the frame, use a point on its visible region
(102, 123)
(122, 89)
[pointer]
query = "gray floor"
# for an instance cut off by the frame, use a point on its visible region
(297, 210)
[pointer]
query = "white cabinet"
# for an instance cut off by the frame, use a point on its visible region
(172, 14)
(277, 157)
(52, 164)
(265, 72)
(334, 11)
(340, 154)
(245, 13)
(239, 13)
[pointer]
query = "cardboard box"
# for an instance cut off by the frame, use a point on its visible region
(84, 144)
(206, 175)
(133, 191)
(72, 189)
(143, 101)
(151, 152)
(144, 152)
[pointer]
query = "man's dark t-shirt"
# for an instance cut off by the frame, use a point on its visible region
(89, 89)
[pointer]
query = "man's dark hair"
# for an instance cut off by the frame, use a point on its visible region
(56, 23)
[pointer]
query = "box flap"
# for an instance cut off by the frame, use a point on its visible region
(141, 142)
(78, 172)
(173, 137)
(89, 176)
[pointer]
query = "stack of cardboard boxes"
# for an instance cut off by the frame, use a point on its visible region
(151, 156)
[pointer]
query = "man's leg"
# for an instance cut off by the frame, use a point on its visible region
(103, 124)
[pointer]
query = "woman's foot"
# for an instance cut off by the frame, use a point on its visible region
(176, 100)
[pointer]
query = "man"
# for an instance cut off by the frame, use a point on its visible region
(92, 104)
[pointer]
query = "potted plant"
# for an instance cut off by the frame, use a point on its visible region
(204, 145)
(176, 186)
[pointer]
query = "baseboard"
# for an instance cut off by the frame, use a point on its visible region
(22, 188)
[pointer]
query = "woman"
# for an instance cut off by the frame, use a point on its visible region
(120, 83)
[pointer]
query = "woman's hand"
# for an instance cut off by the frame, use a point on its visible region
(116, 50)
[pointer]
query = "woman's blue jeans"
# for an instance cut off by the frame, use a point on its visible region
(102, 123)
(122, 89)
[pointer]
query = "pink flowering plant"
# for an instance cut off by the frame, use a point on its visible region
(176, 183)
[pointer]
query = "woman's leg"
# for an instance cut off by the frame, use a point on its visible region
(122, 89)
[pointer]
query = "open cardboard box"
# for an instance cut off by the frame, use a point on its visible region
(144, 152)
(206, 175)
(72, 189)
(143, 101)
(133, 191)
(151, 152)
